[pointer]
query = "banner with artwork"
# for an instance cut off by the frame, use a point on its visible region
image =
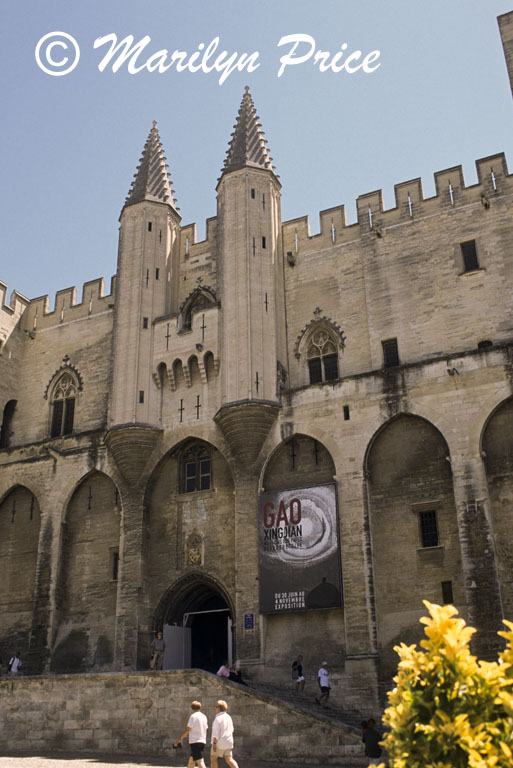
(299, 550)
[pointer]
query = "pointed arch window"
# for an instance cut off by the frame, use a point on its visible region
(62, 405)
(196, 469)
(200, 298)
(322, 356)
(200, 302)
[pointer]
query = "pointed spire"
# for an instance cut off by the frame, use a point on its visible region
(151, 180)
(248, 146)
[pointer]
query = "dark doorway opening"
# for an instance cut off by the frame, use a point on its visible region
(202, 622)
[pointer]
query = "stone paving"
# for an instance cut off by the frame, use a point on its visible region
(62, 760)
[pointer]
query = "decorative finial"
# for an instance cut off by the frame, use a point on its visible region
(246, 89)
(317, 311)
(154, 123)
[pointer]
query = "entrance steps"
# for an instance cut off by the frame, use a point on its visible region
(141, 713)
(305, 702)
(336, 732)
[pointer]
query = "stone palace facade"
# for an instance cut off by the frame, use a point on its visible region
(265, 443)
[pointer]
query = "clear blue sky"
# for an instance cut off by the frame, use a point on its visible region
(70, 144)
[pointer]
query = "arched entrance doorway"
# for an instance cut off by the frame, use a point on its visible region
(196, 618)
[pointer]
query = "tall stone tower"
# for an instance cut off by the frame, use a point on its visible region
(250, 283)
(149, 230)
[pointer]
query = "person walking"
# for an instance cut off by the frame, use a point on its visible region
(371, 739)
(196, 730)
(222, 736)
(297, 667)
(324, 685)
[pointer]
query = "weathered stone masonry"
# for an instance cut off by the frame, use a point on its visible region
(140, 426)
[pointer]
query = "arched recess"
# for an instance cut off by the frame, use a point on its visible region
(200, 298)
(19, 542)
(197, 615)
(300, 554)
(208, 363)
(414, 531)
(194, 370)
(87, 587)
(189, 523)
(497, 446)
(6, 427)
(178, 376)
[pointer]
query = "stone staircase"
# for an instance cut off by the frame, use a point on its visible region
(305, 702)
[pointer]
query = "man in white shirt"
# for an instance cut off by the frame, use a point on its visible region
(222, 736)
(15, 664)
(196, 730)
(324, 685)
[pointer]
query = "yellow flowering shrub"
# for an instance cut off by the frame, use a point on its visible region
(448, 709)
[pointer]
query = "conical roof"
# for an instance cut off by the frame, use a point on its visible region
(248, 146)
(151, 180)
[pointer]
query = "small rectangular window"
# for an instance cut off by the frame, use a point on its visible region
(263, 242)
(149, 226)
(145, 322)
(346, 413)
(141, 396)
(252, 194)
(390, 353)
(469, 254)
(157, 273)
(447, 595)
(428, 528)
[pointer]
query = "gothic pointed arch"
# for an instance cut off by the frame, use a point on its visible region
(20, 522)
(189, 510)
(298, 460)
(200, 298)
(62, 392)
(412, 521)
(89, 564)
(497, 455)
(320, 345)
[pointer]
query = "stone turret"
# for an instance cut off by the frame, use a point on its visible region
(250, 280)
(148, 237)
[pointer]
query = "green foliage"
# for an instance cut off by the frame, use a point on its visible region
(448, 709)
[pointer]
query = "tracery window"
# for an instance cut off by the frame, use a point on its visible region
(322, 357)
(63, 405)
(197, 469)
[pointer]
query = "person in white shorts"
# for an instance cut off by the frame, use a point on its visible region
(222, 736)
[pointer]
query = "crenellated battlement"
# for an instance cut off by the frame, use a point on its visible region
(94, 301)
(17, 304)
(189, 245)
(373, 219)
